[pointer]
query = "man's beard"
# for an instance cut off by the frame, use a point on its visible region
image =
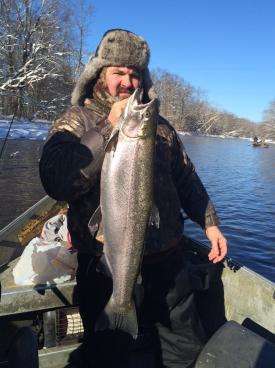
(120, 90)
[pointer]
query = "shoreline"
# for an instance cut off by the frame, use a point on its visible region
(21, 133)
(223, 136)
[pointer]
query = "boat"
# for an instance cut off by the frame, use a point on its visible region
(236, 305)
(260, 144)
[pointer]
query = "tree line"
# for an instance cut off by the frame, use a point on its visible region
(187, 108)
(41, 57)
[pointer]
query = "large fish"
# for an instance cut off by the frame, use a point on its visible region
(126, 206)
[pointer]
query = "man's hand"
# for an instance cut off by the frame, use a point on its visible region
(218, 244)
(116, 111)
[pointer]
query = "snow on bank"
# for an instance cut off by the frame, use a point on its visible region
(23, 129)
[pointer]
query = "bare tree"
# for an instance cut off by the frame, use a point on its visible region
(267, 128)
(39, 52)
(207, 119)
(29, 43)
(176, 97)
(269, 113)
(81, 24)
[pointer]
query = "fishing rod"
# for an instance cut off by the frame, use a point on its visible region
(7, 135)
(10, 126)
(12, 120)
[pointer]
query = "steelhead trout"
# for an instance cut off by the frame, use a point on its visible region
(126, 206)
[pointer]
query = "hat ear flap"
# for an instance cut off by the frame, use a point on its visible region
(148, 85)
(84, 85)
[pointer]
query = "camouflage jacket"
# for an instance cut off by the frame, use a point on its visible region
(70, 171)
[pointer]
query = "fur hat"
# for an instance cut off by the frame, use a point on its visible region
(118, 47)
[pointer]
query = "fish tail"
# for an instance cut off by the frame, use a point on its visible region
(113, 318)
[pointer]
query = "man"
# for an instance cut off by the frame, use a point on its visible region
(170, 332)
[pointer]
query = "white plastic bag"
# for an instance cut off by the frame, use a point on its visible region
(46, 260)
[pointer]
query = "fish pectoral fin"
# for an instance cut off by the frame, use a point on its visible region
(112, 140)
(138, 291)
(154, 218)
(139, 279)
(114, 318)
(94, 221)
(102, 266)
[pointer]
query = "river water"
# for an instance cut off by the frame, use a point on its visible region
(241, 182)
(239, 178)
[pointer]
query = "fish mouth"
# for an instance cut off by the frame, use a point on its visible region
(135, 122)
(135, 102)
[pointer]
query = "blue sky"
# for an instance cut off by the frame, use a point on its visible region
(226, 47)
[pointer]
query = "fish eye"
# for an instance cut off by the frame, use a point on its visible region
(147, 114)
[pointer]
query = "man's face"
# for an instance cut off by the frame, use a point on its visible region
(121, 81)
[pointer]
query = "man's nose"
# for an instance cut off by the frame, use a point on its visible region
(126, 81)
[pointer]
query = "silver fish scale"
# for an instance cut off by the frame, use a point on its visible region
(127, 192)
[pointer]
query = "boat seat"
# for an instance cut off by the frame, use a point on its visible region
(235, 346)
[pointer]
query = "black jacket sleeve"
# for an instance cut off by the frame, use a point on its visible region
(73, 154)
(62, 159)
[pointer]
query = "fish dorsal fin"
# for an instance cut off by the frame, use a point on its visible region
(94, 221)
(112, 141)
